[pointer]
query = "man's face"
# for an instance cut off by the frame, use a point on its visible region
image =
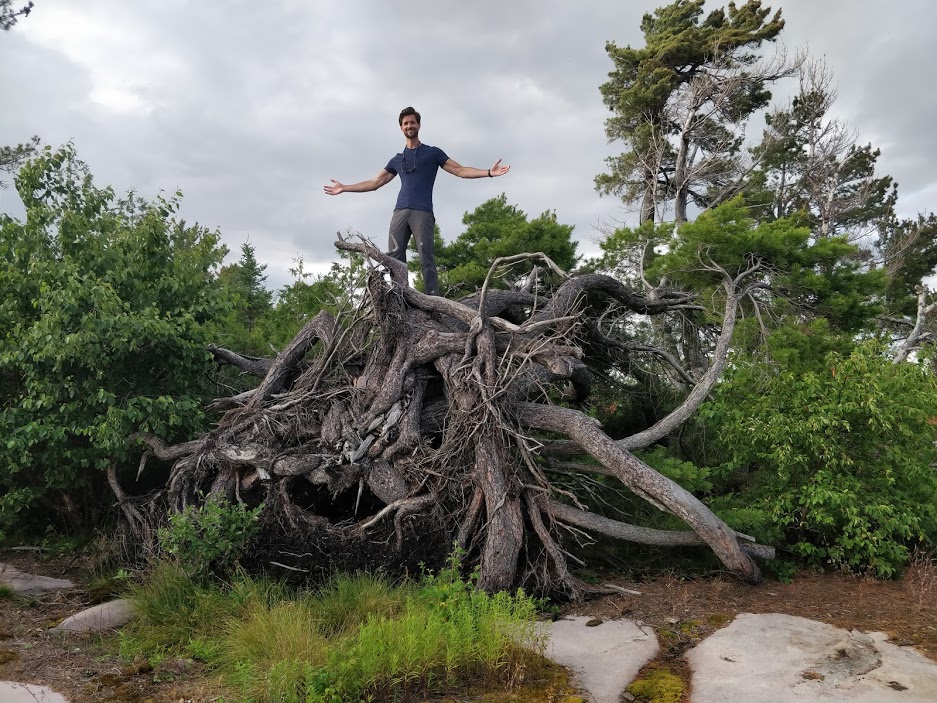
(410, 127)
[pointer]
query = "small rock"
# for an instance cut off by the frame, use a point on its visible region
(29, 584)
(105, 616)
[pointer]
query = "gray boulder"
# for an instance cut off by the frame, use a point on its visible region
(778, 658)
(105, 616)
(29, 584)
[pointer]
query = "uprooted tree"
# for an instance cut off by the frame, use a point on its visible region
(422, 418)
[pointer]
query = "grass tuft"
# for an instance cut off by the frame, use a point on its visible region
(347, 601)
(359, 637)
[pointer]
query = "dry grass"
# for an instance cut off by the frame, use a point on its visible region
(921, 578)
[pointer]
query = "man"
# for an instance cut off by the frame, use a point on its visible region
(417, 165)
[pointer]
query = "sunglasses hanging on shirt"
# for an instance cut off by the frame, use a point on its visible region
(403, 164)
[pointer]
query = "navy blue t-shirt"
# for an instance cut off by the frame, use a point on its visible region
(417, 170)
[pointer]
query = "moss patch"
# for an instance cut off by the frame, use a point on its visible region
(689, 627)
(718, 619)
(657, 686)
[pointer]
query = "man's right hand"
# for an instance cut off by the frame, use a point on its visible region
(335, 188)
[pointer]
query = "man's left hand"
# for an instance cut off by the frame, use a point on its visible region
(498, 169)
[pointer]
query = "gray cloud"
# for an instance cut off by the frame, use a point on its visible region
(250, 109)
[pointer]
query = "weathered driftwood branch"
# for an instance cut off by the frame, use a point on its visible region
(255, 366)
(644, 535)
(917, 334)
(643, 480)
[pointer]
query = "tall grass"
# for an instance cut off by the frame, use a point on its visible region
(347, 601)
(177, 614)
(360, 637)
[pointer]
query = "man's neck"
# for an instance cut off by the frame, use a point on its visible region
(413, 143)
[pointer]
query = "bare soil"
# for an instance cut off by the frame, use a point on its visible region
(86, 668)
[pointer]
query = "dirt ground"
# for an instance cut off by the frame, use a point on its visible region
(87, 669)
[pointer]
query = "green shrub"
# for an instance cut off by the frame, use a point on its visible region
(101, 334)
(210, 538)
(840, 459)
(695, 479)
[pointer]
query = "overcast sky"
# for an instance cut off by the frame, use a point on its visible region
(251, 107)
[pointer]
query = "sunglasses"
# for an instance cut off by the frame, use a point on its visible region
(403, 162)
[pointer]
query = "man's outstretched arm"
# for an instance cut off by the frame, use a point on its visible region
(461, 171)
(381, 179)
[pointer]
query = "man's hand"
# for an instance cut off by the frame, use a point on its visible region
(335, 188)
(380, 180)
(498, 169)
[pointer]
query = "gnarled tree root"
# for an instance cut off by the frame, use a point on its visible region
(422, 418)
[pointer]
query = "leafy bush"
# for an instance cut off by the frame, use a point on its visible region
(209, 538)
(101, 334)
(840, 458)
(695, 479)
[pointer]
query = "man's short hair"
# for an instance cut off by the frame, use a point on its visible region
(406, 112)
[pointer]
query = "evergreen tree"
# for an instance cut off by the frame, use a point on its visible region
(496, 229)
(812, 166)
(679, 103)
(249, 278)
(12, 157)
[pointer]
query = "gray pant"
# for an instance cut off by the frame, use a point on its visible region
(421, 225)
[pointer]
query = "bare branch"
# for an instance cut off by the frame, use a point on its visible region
(255, 366)
(643, 480)
(644, 535)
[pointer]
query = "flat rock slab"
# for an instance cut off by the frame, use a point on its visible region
(105, 616)
(27, 693)
(30, 584)
(782, 659)
(604, 658)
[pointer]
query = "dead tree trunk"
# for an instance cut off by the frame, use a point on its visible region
(419, 417)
